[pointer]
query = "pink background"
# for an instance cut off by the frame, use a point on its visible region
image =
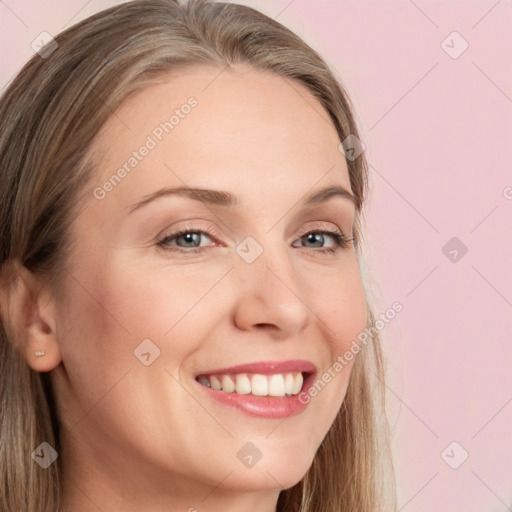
(438, 132)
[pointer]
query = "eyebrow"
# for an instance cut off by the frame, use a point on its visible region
(223, 198)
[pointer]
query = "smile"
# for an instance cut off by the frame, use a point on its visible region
(278, 384)
(268, 389)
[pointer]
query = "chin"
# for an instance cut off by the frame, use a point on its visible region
(278, 478)
(274, 471)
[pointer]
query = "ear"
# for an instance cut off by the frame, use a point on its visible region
(29, 315)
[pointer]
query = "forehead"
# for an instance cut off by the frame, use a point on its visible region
(233, 129)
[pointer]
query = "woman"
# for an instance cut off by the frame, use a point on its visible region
(182, 188)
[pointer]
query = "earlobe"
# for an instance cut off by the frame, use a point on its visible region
(28, 311)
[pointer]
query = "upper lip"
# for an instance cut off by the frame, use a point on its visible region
(267, 367)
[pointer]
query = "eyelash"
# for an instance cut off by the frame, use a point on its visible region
(340, 240)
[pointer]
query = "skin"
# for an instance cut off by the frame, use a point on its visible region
(141, 437)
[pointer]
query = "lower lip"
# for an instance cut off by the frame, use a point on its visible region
(262, 406)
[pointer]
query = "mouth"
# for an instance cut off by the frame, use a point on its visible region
(257, 384)
(270, 389)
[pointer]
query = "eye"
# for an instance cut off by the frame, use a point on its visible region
(187, 240)
(339, 240)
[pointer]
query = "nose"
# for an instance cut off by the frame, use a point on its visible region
(271, 296)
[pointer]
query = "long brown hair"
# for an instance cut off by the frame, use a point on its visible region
(50, 114)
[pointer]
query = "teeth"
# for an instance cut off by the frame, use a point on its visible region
(256, 384)
(204, 381)
(297, 383)
(228, 384)
(243, 384)
(216, 384)
(288, 384)
(259, 385)
(276, 387)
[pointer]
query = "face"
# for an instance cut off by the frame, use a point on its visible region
(146, 310)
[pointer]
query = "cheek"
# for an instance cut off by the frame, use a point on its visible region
(93, 334)
(342, 316)
(174, 309)
(342, 309)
